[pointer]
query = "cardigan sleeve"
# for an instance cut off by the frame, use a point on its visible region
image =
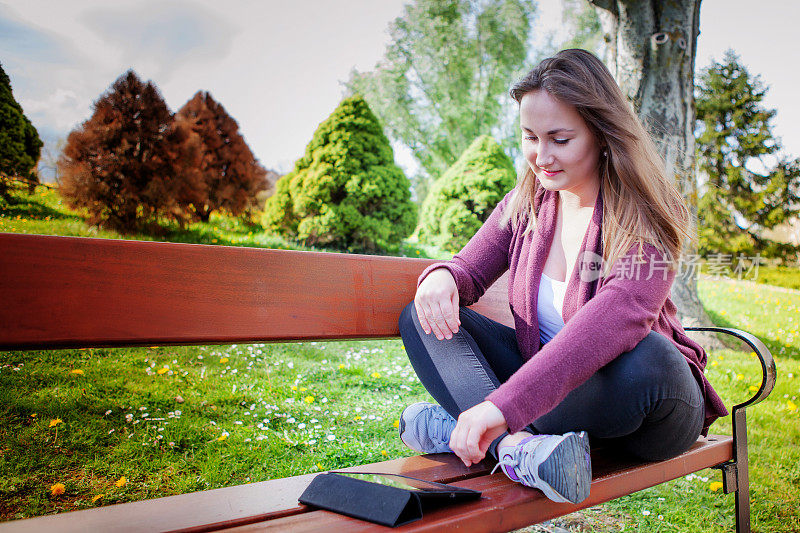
(620, 314)
(482, 260)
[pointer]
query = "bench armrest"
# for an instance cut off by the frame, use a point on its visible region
(768, 370)
(735, 473)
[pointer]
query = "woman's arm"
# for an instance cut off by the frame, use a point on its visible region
(482, 260)
(620, 315)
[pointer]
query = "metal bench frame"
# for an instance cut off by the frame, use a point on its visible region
(736, 472)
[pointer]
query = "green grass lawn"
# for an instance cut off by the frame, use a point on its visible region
(118, 425)
(44, 213)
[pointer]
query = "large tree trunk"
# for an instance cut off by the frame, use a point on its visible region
(650, 49)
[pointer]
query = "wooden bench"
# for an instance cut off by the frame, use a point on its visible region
(66, 292)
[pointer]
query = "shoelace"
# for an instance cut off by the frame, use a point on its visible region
(521, 460)
(438, 431)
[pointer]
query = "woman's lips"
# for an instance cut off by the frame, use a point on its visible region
(549, 173)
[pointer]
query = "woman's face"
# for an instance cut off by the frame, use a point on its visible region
(560, 148)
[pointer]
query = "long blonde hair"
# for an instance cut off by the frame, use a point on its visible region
(640, 203)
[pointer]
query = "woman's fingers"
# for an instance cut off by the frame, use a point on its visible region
(435, 321)
(475, 430)
(427, 319)
(456, 443)
(448, 324)
(423, 319)
(432, 318)
(454, 301)
(436, 302)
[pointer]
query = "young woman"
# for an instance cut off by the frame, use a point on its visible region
(590, 235)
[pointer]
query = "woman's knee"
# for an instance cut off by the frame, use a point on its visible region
(407, 319)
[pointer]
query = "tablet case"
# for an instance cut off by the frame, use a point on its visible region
(382, 504)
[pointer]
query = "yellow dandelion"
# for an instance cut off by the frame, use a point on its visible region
(739, 377)
(222, 437)
(163, 370)
(341, 366)
(121, 482)
(294, 387)
(54, 422)
(224, 360)
(791, 405)
(308, 399)
(319, 465)
(752, 388)
(57, 489)
(34, 415)
(97, 497)
(396, 423)
(753, 354)
(384, 453)
(357, 418)
(77, 372)
(715, 486)
(375, 375)
(303, 389)
(714, 363)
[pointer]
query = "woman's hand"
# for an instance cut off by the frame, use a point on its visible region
(436, 303)
(477, 427)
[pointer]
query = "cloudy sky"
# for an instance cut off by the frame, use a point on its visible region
(277, 66)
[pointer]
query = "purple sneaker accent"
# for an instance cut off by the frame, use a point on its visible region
(558, 465)
(508, 452)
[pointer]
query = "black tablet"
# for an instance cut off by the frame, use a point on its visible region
(420, 486)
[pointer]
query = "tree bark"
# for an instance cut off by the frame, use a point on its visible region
(650, 50)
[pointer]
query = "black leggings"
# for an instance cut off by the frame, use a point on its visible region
(645, 401)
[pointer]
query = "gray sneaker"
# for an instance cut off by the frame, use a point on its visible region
(558, 465)
(426, 427)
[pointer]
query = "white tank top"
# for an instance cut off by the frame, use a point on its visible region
(549, 307)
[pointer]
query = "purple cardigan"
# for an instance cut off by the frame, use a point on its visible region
(602, 317)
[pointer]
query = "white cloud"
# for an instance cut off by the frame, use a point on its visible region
(60, 109)
(163, 36)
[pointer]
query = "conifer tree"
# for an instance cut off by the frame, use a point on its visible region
(464, 196)
(745, 193)
(131, 163)
(20, 145)
(232, 175)
(346, 191)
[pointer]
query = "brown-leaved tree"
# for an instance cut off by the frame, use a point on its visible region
(231, 174)
(131, 163)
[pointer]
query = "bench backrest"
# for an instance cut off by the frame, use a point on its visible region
(61, 292)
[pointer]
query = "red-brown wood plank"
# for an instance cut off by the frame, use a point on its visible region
(506, 505)
(219, 508)
(60, 292)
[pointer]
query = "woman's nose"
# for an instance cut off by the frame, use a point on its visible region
(543, 158)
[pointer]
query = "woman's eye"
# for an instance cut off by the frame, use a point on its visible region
(530, 137)
(561, 141)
